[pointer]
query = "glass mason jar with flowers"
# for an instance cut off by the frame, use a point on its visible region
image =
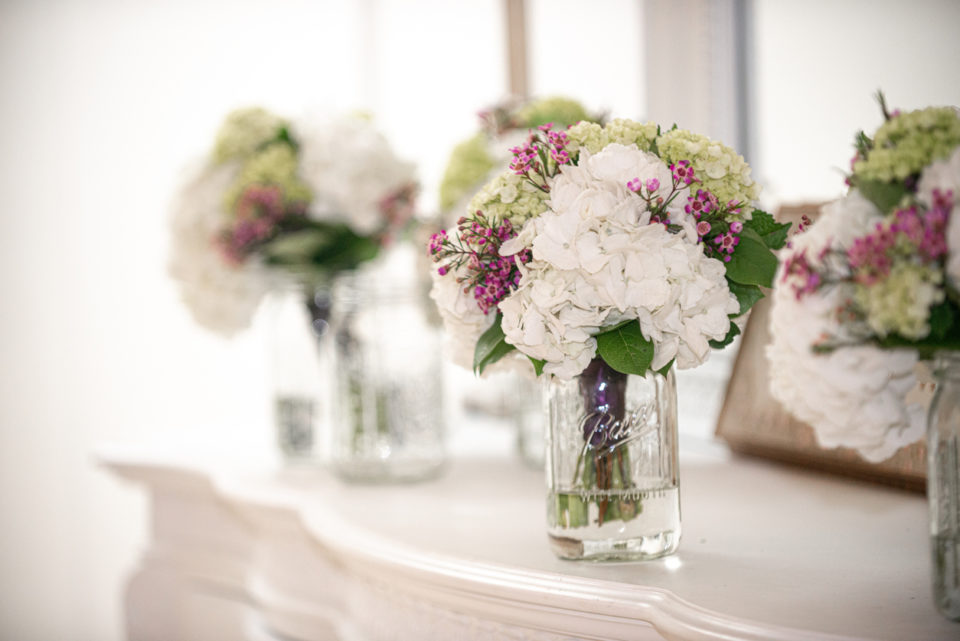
(869, 291)
(283, 207)
(605, 257)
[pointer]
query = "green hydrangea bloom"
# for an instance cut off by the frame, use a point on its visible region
(509, 196)
(274, 165)
(907, 143)
(631, 132)
(587, 135)
(473, 159)
(900, 304)
(721, 170)
(562, 112)
(469, 163)
(244, 131)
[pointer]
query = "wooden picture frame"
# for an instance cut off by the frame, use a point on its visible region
(752, 422)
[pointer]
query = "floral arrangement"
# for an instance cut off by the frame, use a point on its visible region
(276, 197)
(878, 271)
(621, 241)
(502, 127)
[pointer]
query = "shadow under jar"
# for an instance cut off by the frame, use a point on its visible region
(388, 402)
(611, 459)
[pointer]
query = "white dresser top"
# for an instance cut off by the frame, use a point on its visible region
(767, 552)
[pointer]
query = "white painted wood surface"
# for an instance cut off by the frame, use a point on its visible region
(250, 551)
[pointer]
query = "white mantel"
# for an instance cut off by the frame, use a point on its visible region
(251, 551)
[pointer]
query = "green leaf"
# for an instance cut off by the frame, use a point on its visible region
(625, 349)
(295, 245)
(537, 365)
(882, 101)
(778, 237)
(746, 295)
(666, 368)
(886, 196)
(862, 144)
(346, 252)
(761, 222)
(283, 135)
(491, 346)
(942, 317)
(773, 234)
(320, 247)
(732, 333)
(926, 347)
(752, 262)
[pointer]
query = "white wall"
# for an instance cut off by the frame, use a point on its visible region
(603, 64)
(816, 67)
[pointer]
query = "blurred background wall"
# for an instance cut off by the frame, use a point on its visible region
(104, 102)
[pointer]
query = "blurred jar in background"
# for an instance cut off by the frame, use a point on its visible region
(387, 422)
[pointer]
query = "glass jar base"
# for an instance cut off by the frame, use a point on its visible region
(379, 471)
(640, 548)
(946, 566)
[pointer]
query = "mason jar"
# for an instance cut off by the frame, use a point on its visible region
(943, 483)
(387, 422)
(613, 487)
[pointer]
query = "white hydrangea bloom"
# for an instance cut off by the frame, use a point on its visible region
(852, 397)
(220, 296)
(944, 175)
(350, 168)
(597, 261)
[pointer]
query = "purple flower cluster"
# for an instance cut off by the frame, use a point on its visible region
(525, 159)
(436, 244)
(870, 256)
(652, 185)
(657, 205)
(557, 143)
(683, 172)
(397, 206)
(801, 227)
(806, 279)
(701, 203)
(476, 248)
(541, 156)
(724, 244)
(911, 232)
(719, 237)
(258, 211)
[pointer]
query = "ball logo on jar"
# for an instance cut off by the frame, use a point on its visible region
(603, 430)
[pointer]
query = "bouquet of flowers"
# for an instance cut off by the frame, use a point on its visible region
(278, 198)
(622, 241)
(503, 126)
(605, 251)
(878, 271)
